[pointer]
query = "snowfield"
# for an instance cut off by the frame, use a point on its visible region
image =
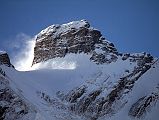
(74, 70)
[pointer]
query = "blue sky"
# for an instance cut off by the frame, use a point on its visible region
(132, 25)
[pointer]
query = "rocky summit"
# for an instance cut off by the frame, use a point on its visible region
(74, 37)
(103, 83)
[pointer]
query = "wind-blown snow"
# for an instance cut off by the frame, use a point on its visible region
(69, 62)
(23, 61)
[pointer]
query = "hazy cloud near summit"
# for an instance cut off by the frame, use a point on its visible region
(20, 50)
(20, 41)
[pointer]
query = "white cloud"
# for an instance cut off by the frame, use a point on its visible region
(24, 53)
(18, 42)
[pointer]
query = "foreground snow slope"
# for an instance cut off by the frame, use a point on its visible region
(40, 87)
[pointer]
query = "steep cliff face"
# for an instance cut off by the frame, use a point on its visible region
(74, 37)
(4, 59)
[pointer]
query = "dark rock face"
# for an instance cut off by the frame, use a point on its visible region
(73, 95)
(77, 37)
(11, 108)
(4, 59)
(143, 105)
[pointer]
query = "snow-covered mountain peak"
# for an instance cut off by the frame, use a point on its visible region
(88, 80)
(75, 37)
(63, 28)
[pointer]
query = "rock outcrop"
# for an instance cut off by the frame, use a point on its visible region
(144, 104)
(4, 59)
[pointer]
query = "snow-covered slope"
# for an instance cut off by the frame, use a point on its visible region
(54, 91)
(88, 80)
(13, 105)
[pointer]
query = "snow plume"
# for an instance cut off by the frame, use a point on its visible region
(23, 49)
(25, 52)
(68, 62)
